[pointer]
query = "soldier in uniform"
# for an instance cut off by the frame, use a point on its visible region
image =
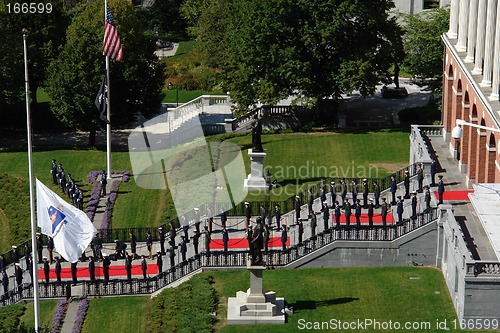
(104, 182)
(420, 178)
(370, 213)
(406, 182)
(128, 266)
(144, 267)
(92, 269)
(333, 192)
(393, 189)
(133, 245)
(248, 214)
(207, 238)
(58, 269)
(326, 215)
(347, 213)
(310, 201)
(149, 244)
(337, 215)
(223, 218)
(376, 194)
(53, 172)
(266, 235)
(301, 230)
(196, 240)
(18, 273)
(39, 247)
(183, 248)
(323, 193)
(298, 205)
(399, 210)
(171, 234)
(365, 192)
(50, 249)
(414, 205)
(440, 189)
(73, 272)
(171, 255)
(433, 172)
(427, 199)
(159, 262)
(343, 190)
(277, 215)
(284, 237)
(105, 266)
(313, 224)
(46, 269)
(225, 238)
(357, 214)
(5, 283)
(161, 236)
(383, 211)
(354, 191)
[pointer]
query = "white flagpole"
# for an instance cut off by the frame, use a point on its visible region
(108, 99)
(36, 303)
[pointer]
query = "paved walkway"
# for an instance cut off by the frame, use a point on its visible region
(70, 317)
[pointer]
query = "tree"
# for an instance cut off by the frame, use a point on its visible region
(316, 49)
(45, 36)
(163, 18)
(423, 46)
(77, 73)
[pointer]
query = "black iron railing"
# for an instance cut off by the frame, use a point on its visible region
(218, 259)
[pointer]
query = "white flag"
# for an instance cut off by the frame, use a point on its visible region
(70, 228)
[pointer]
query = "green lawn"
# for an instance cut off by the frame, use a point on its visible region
(397, 294)
(298, 159)
(117, 314)
(47, 308)
(414, 295)
(294, 159)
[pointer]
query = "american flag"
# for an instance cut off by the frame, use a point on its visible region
(112, 46)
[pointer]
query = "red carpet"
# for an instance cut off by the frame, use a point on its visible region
(455, 195)
(83, 272)
(377, 218)
(242, 243)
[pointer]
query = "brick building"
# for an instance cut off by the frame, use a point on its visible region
(471, 87)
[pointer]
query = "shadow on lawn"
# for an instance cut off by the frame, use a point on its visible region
(311, 305)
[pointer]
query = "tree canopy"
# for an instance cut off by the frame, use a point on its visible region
(45, 36)
(423, 46)
(76, 75)
(316, 49)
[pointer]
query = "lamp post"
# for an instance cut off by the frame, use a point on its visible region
(170, 87)
(457, 132)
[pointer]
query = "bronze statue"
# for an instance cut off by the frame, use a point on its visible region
(257, 243)
(256, 136)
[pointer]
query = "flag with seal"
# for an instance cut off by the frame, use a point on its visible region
(70, 228)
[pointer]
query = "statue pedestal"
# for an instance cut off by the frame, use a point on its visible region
(256, 180)
(254, 306)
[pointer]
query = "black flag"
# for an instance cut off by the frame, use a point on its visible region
(101, 101)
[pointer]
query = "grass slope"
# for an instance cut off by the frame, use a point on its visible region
(47, 310)
(397, 294)
(295, 159)
(117, 314)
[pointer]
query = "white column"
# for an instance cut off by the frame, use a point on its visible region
(489, 42)
(496, 61)
(462, 26)
(453, 32)
(481, 30)
(471, 31)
